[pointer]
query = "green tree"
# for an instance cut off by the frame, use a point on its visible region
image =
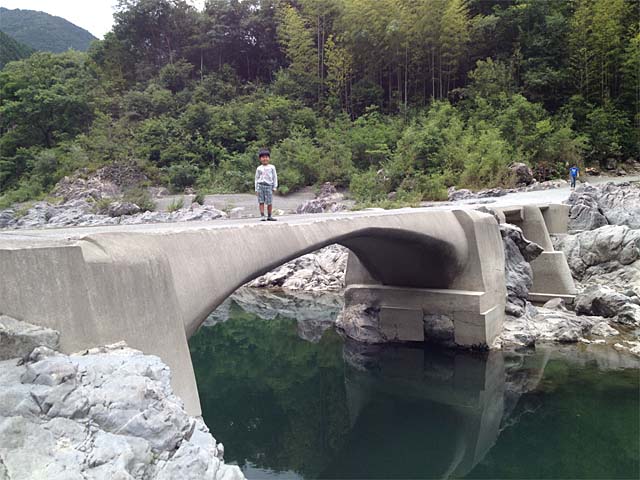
(45, 99)
(297, 40)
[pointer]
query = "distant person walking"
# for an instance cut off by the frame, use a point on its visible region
(266, 183)
(574, 172)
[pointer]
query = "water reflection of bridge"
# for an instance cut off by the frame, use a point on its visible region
(469, 393)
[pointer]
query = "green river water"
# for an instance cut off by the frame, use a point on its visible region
(286, 407)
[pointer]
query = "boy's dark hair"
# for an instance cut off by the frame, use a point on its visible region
(263, 152)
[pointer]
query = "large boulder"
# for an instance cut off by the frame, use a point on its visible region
(104, 413)
(328, 200)
(18, 339)
(6, 217)
(522, 174)
(594, 206)
(323, 270)
(518, 252)
(118, 209)
(609, 255)
(584, 213)
(543, 325)
(602, 301)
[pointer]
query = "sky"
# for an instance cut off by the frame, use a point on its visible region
(93, 15)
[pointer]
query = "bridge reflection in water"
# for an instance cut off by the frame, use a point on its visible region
(455, 402)
(326, 408)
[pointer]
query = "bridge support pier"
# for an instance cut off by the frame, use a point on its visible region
(404, 311)
(551, 274)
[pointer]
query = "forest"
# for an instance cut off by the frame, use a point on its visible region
(378, 96)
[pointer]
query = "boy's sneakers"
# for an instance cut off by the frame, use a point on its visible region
(263, 219)
(271, 219)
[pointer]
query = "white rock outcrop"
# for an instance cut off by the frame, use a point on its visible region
(322, 270)
(106, 413)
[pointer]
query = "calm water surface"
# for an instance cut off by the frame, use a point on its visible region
(291, 400)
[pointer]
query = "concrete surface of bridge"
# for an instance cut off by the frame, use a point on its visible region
(153, 285)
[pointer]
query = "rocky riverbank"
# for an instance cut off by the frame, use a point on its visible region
(103, 413)
(102, 198)
(605, 263)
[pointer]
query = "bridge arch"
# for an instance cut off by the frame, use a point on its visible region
(153, 285)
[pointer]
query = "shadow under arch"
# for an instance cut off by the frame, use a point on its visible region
(392, 256)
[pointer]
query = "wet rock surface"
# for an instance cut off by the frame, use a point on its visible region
(104, 413)
(313, 312)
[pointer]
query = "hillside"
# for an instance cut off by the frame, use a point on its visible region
(42, 31)
(11, 50)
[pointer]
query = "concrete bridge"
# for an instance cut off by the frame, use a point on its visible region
(153, 285)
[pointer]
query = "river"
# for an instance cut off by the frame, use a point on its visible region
(290, 399)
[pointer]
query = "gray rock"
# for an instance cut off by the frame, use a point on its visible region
(328, 200)
(610, 164)
(614, 204)
(629, 314)
(600, 301)
(455, 194)
(541, 325)
(323, 270)
(518, 252)
(18, 339)
(609, 255)
(603, 329)
(555, 304)
(6, 218)
(522, 173)
(584, 213)
(237, 212)
(361, 322)
(105, 413)
(118, 209)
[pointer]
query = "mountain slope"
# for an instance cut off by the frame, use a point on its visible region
(11, 49)
(42, 31)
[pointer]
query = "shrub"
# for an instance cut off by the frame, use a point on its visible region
(175, 205)
(182, 175)
(141, 198)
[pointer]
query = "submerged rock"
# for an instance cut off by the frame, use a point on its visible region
(314, 313)
(104, 413)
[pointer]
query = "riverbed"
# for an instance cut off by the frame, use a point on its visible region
(290, 399)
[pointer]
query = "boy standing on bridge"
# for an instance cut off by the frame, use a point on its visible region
(266, 182)
(574, 171)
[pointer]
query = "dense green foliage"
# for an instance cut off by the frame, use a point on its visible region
(44, 32)
(11, 49)
(376, 95)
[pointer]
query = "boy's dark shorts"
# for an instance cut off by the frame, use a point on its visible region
(265, 193)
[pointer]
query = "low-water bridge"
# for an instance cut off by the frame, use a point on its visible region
(154, 285)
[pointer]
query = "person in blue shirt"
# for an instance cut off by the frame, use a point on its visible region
(574, 172)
